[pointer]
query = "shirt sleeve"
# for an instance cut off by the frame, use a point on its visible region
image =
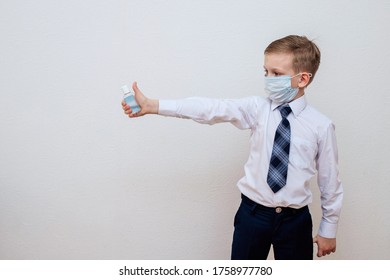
(329, 183)
(240, 112)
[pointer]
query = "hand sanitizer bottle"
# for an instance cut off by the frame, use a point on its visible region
(130, 99)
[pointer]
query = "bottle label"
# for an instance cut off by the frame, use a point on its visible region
(130, 100)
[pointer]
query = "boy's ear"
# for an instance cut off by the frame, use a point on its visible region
(304, 79)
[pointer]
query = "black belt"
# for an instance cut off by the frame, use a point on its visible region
(271, 209)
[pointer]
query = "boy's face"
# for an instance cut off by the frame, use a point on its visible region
(280, 64)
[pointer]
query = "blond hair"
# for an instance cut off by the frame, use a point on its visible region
(306, 54)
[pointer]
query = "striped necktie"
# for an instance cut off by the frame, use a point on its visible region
(277, 173)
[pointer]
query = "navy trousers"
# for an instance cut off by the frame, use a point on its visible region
(257, 227)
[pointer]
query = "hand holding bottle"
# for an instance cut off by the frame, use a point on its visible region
(146, 105)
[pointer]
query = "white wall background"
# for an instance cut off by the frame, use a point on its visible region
(78, 180)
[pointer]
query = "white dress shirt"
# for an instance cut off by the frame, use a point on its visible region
(313, 149)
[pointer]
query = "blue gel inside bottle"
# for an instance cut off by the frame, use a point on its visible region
(130, 99)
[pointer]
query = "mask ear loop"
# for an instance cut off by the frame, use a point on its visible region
(309, 74)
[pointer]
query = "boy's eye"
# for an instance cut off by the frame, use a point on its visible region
(277, 74)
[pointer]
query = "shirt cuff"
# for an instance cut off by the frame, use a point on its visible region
(327, 230)
(167, 108)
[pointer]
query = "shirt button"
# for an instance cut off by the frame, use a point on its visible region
(278, 210)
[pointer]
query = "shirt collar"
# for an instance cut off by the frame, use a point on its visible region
(297, 106)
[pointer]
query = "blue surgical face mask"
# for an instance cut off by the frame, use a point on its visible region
(279, 88)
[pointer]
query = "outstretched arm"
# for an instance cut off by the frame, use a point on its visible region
(240, 112)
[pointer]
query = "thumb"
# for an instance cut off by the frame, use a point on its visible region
(135, 86)
(136, 89)
(319, 249)
(139, 96)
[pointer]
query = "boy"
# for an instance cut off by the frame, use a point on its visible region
(290, 142)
